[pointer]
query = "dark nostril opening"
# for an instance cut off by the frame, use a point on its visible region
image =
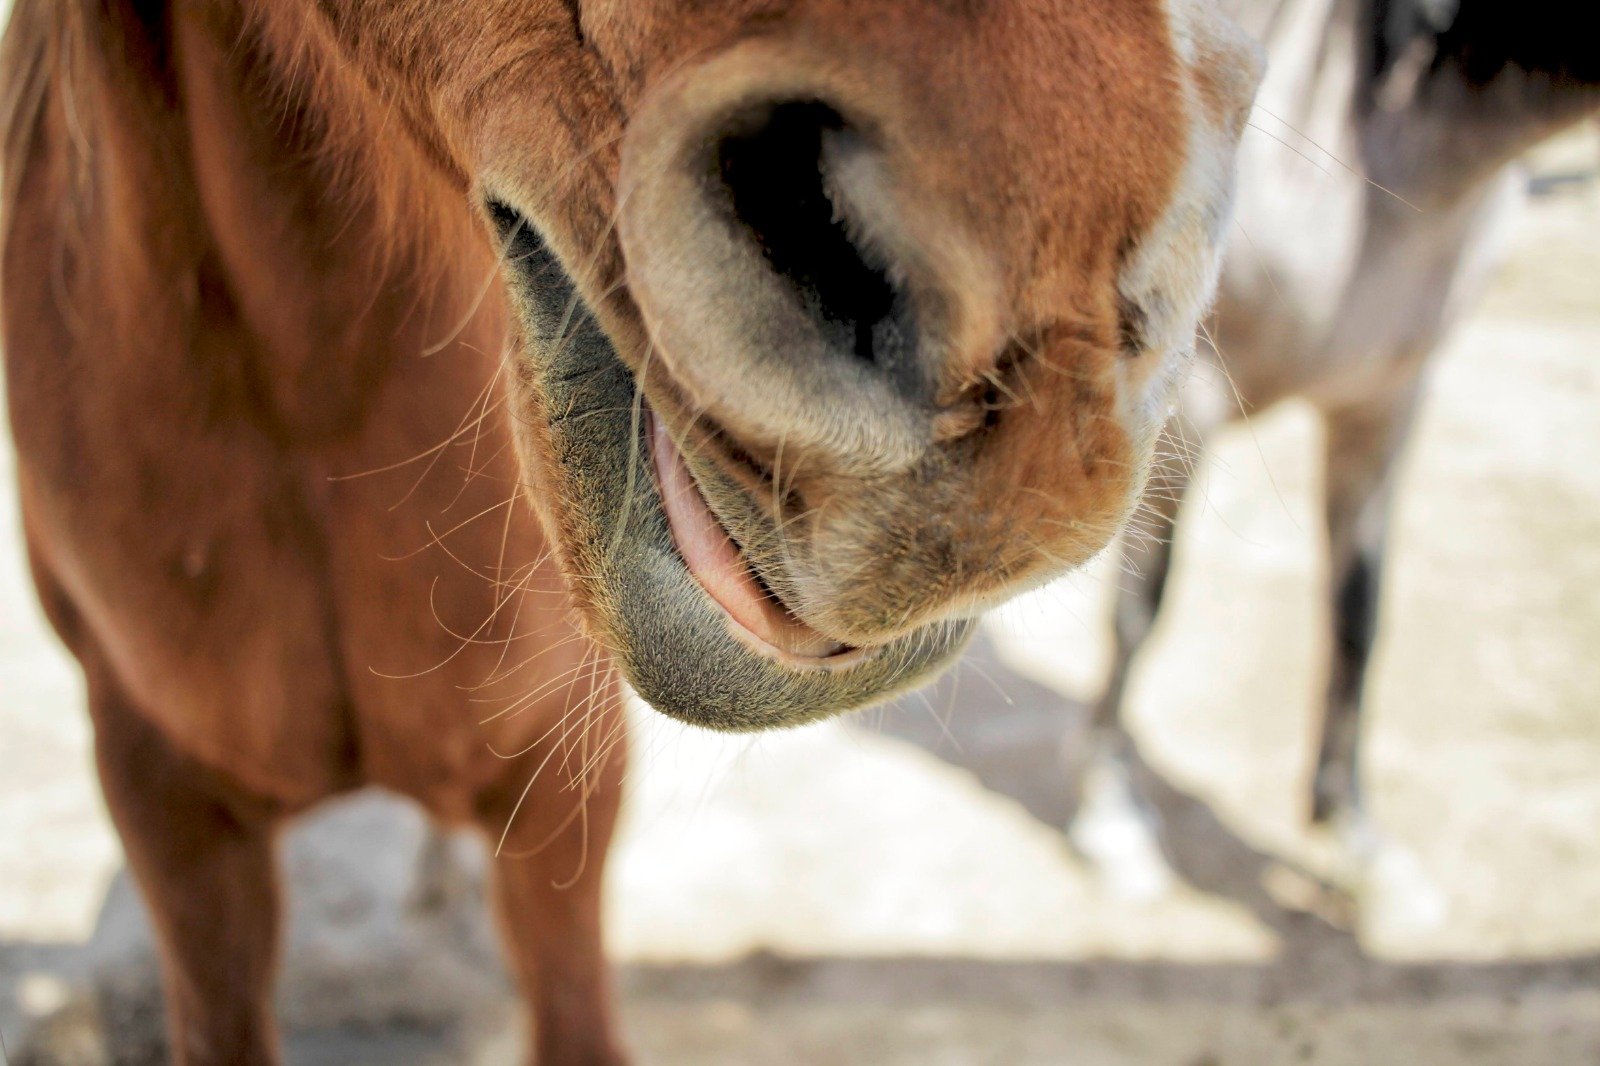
(773, 169)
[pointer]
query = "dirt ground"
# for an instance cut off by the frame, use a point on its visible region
(897, 888)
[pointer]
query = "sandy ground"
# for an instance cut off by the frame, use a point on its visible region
(896, 888)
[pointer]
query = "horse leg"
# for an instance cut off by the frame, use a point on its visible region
(1362, 443)
(203, 859)
(551, 837)
(1148, 555)
(1114, 827)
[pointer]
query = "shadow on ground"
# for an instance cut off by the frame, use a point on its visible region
(1019, 742)
(1319, 1000)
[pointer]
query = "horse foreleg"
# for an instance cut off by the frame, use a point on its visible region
(551, 830)
(203, 860)
(1363, 441)
(1114, 827)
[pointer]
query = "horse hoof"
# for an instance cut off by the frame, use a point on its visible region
(1396, 899)
(1119, 839)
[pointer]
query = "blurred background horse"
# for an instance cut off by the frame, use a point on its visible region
(1375, 195)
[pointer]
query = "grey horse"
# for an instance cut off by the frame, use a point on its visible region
(1372, 193)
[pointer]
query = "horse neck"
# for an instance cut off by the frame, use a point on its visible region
(1315, 52)
(374, 253)
(276, 214)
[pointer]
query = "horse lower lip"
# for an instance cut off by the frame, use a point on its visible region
(717, 565)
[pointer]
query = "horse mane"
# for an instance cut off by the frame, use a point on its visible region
(1479, 40)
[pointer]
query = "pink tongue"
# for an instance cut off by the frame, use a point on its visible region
(717, 564)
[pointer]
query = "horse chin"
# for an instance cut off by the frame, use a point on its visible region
(584, 438)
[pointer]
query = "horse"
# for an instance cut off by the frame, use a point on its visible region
(391, 382)
(1374, 191)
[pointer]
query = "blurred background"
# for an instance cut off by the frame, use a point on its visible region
(898, 887)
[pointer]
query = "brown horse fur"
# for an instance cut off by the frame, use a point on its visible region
(259, 358)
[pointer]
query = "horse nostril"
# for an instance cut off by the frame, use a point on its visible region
(770, 249)
(777, 168)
